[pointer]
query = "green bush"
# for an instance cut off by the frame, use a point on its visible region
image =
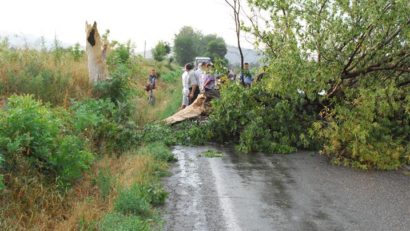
(1, 176)
(134, 200)
(159, 151)
(159, 132)
(137, 199)
(118, 87)
(121, 222)
(171, 76)
(104, 182)
(371, 133)
(104, 123)
(41, 136)
(258, 120)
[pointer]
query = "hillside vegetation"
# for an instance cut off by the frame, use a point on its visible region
(74, 156)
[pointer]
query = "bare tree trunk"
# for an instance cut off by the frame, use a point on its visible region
(97, 69)
(236, 7)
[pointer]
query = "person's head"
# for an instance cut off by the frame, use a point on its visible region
(153, 72)
(246, 66)
(209, 66)
(189, 67)
(203, 65)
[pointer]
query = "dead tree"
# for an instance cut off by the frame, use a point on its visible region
(97, 69)
(236, 7)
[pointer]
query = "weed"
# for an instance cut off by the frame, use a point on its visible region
(212, 154)
(159, 151)
(118, 221)
(134, 200)
(104, 182)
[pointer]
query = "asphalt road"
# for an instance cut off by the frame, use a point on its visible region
(299, 191)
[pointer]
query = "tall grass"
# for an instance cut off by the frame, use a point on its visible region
(53, 76)
(59, 77)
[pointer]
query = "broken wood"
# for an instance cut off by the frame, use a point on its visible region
(97, 68)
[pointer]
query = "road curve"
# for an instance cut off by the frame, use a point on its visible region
(281, 192)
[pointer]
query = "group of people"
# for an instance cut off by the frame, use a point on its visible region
(196, 81)
(201, 80)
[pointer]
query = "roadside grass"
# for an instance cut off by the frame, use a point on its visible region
(168, 95)
(212, 154)
(30, 202)
(129, 204)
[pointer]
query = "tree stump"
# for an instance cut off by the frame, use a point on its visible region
(97, 68)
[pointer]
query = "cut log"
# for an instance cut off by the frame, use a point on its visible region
(97, 69)
(192, 111)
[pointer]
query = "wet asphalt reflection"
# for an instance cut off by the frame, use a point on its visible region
(300, 191)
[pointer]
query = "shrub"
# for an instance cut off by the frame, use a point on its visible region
(117, 88)
(104, 123)
(40, 135)
(259, 121)
(121, 222)
(104, 182)
(159, 151)
(371, 133)
(1, 176)
(171, 76)
(134, 200)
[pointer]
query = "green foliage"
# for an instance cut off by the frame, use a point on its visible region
(137, 199)
(40, 135)
(354, 55)
(121, 222)
(214, 47)
(1, 176)
(104, 182)
(161, 50)
(107, 125)
(172, 76)
(185, 45)
(118, 87)
(76, 52)
(159, 150)
(364, 134)
(189, 43)
(133, 201)
(121, 54)
(212, 154)
(259, 120)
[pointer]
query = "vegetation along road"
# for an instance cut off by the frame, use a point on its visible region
(300, 191)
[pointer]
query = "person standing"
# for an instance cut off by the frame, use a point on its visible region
(209, 83)
(200, 75)
(246, 76)
(185, 88)
(193, 83)
(152, 81)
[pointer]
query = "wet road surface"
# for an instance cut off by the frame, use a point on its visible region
(299, 191)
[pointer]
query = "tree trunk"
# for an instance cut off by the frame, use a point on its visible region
(97, 69)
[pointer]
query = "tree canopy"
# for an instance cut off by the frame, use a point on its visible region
(338, 79)
(161, 50)
(189, 43)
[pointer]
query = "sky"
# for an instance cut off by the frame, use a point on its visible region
(138, 21)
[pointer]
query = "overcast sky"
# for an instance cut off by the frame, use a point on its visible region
(142, 20)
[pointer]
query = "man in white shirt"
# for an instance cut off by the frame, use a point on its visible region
(192, 83)
(185, 88)
(199, 74)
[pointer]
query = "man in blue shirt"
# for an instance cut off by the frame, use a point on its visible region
(246, 76)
